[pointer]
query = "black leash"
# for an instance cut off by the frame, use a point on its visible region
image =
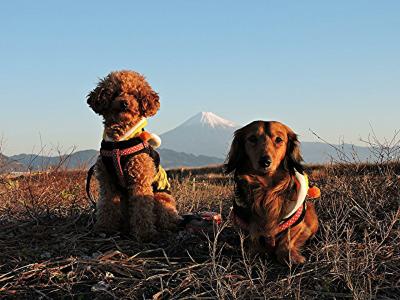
(88, 192)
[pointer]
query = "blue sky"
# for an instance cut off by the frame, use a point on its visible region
(331, 66)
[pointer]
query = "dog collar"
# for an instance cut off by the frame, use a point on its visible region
(137, 131)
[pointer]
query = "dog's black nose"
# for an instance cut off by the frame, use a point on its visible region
(265, 161)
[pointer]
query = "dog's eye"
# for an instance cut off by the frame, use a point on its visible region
(252, 139)
(278, 140)
(123, 105)
(115, 94)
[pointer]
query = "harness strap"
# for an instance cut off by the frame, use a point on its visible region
(293, 220)
(127, 151)
(88, 192)
(283, 226)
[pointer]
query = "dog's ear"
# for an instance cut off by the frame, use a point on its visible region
(96, 101)
(236, 153)
(149, 102)
(293, 158)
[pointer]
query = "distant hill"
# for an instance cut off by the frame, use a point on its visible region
(79, 159)
(84, 159)
(173, 159)
(8, 165)
(322, 153)
(313, 153)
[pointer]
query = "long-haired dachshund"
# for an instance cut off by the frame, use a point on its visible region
(270, 189)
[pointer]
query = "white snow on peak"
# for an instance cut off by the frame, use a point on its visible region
(209, 119)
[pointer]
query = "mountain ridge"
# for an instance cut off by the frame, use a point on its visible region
(85, 158)
(8, 165)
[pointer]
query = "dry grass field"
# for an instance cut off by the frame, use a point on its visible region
(48, 249)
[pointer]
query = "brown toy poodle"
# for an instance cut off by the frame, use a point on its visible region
(134, 190)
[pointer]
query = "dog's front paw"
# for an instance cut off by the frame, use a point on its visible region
(294, 257)
(145, 234)
(297, 259)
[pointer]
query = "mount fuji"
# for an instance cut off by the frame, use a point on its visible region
(203, 134)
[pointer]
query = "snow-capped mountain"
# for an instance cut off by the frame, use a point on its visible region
(209, 119)
(203, 134)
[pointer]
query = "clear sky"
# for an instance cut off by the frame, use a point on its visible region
(332, 66)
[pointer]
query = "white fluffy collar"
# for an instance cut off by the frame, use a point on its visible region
(302, 193)
(135, 130)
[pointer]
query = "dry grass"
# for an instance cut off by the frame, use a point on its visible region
(48, 249)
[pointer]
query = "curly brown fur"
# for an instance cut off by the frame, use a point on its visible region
(264, 157)
(123, 98)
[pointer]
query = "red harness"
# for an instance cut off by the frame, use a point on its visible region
(290, 222)
(293, 219)
(116, 155)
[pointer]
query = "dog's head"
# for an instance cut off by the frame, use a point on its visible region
(123, 98)
(263, 148)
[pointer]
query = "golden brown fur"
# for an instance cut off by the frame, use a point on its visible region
(122, 98)
(264, 157)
